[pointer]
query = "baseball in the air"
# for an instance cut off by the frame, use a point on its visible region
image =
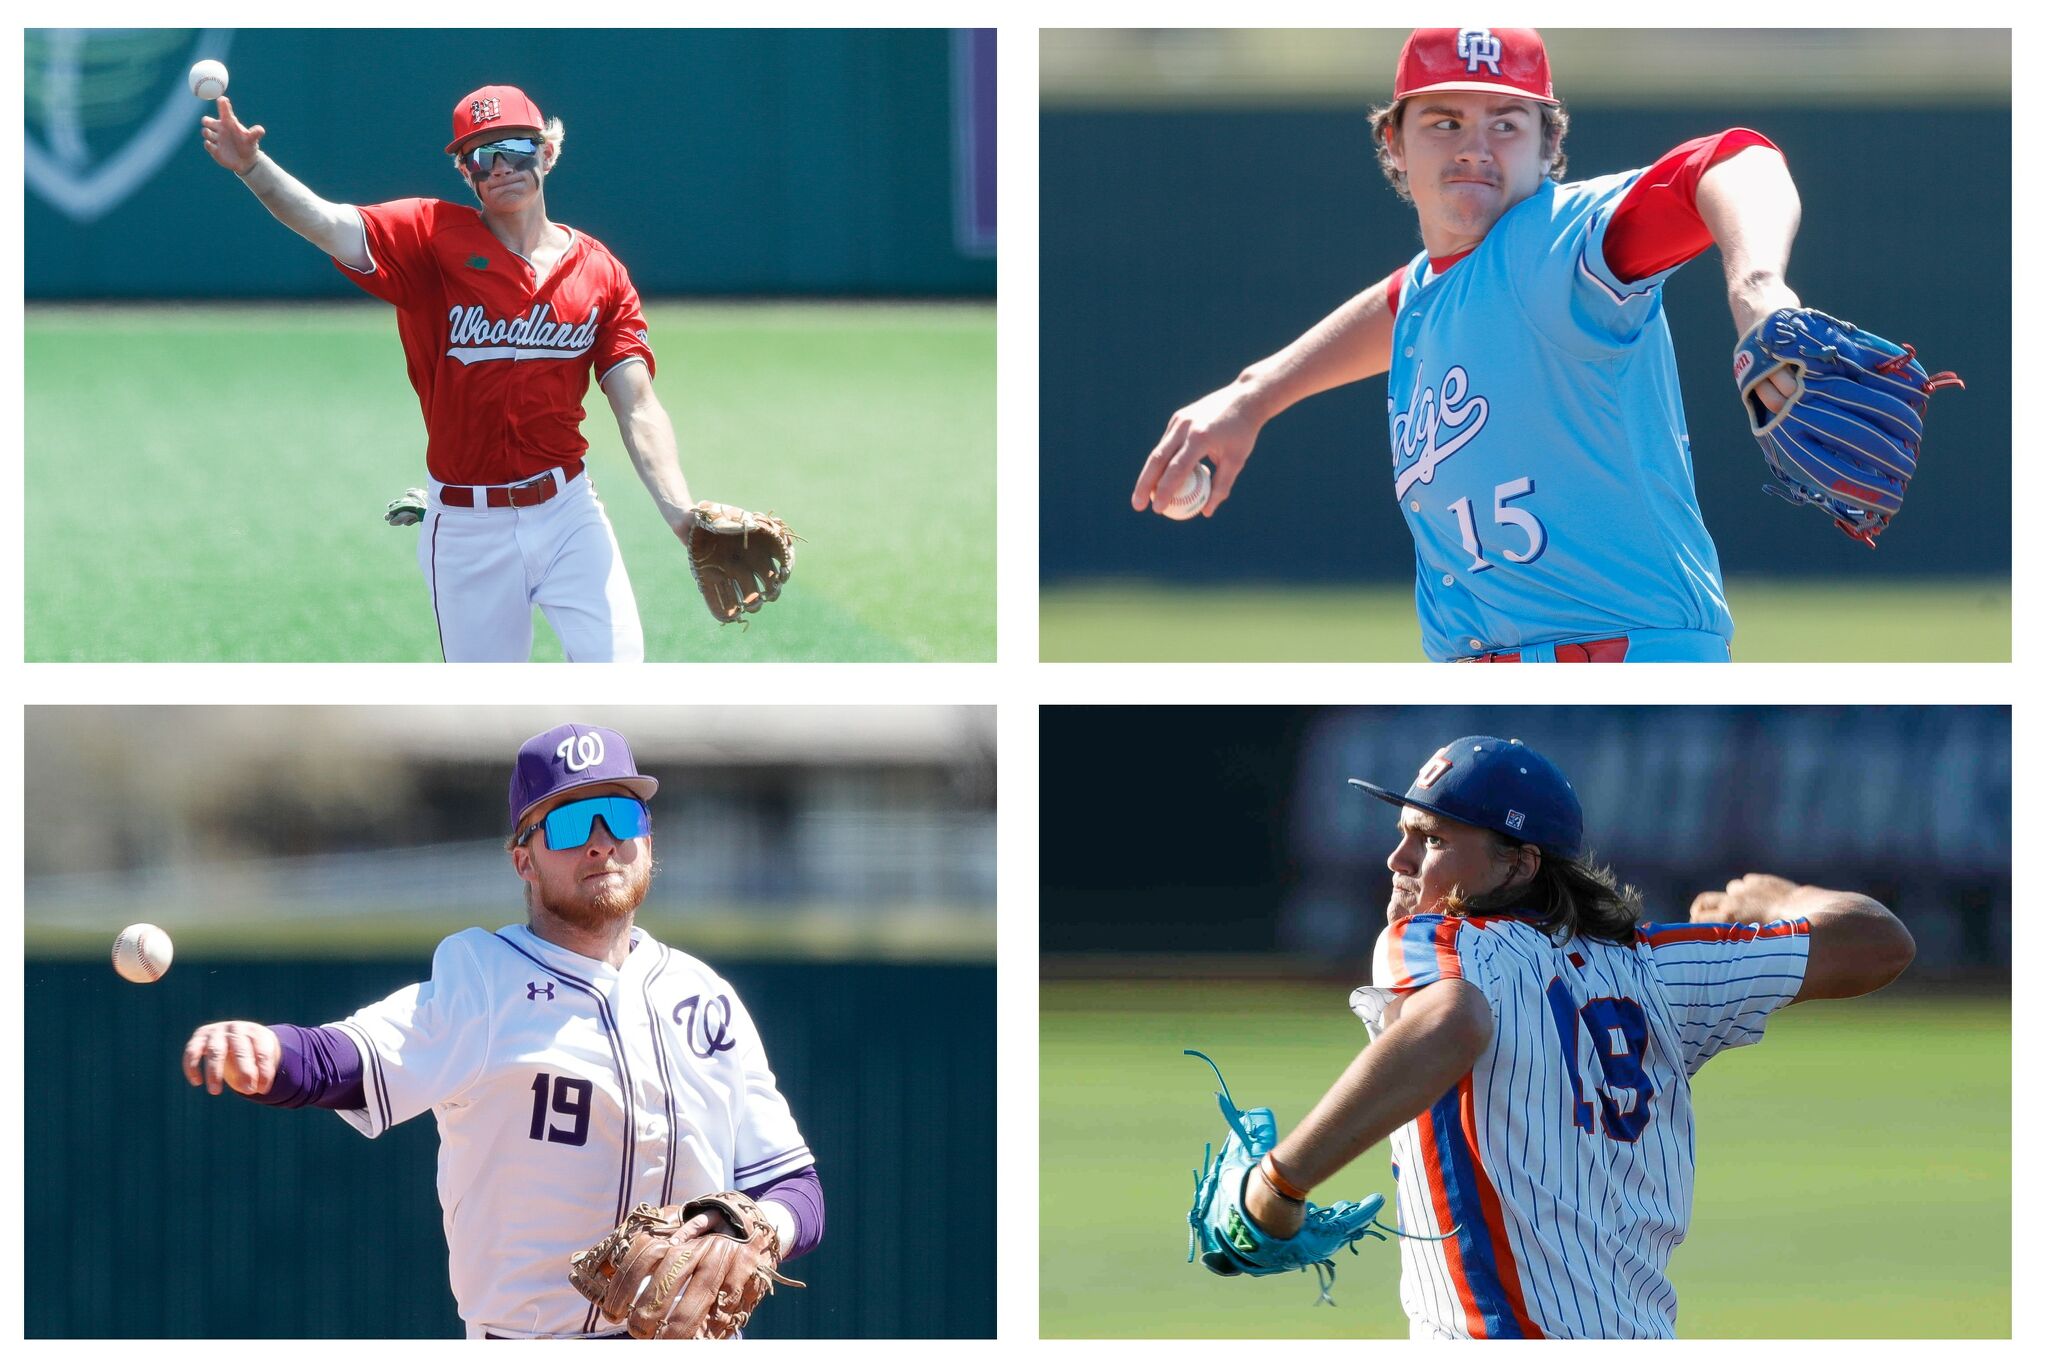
(208, 79)
(142, 953)
(1193, 492)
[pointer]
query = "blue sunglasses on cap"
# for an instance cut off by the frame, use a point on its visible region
(569, 825)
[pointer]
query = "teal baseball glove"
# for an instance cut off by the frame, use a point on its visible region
(1221, 1232)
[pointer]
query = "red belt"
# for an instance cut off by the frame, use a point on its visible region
(1612, 650)
(526, 494)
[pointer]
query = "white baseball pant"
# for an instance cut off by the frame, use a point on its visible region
(488, 568)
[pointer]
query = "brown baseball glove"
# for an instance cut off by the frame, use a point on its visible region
(740, 560)
(666, 1287)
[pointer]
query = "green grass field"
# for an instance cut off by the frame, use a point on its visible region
(1775, 621)
(1854, 1169)
(209, 484)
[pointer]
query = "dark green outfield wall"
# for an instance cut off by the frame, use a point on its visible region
(153, 1210)
(1175, 247)
(847, 162)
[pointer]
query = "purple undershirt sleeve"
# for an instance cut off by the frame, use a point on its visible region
(802, 1195)
(316, 1067)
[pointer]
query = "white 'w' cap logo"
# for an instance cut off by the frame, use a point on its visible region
(583, 751)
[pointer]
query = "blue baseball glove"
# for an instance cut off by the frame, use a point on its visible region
(1848, 438)
(1221, 1232)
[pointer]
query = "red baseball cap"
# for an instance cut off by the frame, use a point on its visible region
(1474, 60)
(494, 108)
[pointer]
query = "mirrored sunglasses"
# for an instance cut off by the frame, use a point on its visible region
(518, 153)
(568, 826)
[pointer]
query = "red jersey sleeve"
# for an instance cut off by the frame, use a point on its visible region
(623, 336)
(401, 262)
(1657, 224)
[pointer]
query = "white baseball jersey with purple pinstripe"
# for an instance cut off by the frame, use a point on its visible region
(1564, 1159)
(567, 1092)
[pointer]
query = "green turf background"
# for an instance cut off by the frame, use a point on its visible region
(1854, 1168)
(1948, 621)
(209, 483)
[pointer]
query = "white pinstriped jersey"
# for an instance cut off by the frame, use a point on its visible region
(566, 1093)
(1564, 1159)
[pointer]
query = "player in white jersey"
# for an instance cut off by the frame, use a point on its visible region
(575, 1066)
(1533, 1045)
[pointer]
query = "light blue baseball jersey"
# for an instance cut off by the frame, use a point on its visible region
(1540, 453)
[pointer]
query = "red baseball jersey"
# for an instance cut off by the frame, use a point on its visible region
(501, 366)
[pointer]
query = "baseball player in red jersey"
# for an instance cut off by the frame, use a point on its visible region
(1533, 1046)
(505, 317)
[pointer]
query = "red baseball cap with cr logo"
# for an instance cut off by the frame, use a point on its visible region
(1507, 61)
(494, 108)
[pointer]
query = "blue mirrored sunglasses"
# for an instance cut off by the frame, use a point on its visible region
(568, 825)
(518, 153)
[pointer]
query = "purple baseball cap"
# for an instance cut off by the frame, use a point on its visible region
(570, 756)
(1498, 784)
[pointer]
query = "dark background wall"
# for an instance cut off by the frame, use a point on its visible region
(216, 1218)
(1236, 831)
(1177, 245)
(841, 161)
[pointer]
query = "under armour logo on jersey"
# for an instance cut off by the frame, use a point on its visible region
(539, 991)
(581, 751)
(1433, 770)
(487, 110)
(1478, 47)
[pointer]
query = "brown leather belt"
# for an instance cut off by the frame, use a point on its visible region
(526, 494)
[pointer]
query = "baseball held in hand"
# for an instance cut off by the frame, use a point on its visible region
(208, 79)
(1189, 496)
(142, 953)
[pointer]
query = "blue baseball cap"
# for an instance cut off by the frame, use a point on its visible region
(1498, 784)
(570, 756)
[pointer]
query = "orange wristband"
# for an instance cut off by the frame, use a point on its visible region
(1278, 1181)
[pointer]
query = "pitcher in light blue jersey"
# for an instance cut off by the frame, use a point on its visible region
(1540, 453)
